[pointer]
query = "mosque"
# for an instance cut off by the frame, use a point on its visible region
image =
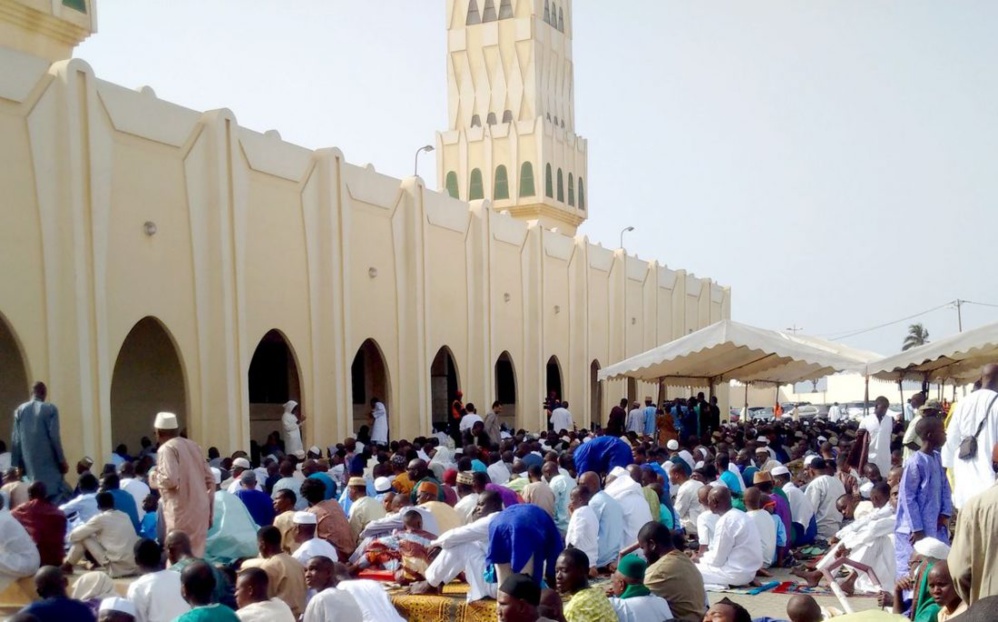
(159, 258)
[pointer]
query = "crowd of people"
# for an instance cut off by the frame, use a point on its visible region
(635, 521)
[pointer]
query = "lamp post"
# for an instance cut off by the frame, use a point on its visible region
(415, 167)
(623, 334)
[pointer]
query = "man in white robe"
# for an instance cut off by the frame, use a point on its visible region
(687, 503)
(463, 549)
(973, 475)
(823, 491)
(630, 496)
(252, 597)
(879, 426)
(370, 596)
(19, 556)
(330, 604)
(734, 555)
(109, 538)
(561, 418)
(291, 423)
(583, 526)
(156, 594)
(467, 497)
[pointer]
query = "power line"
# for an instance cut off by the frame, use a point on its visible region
(979, 304)
(853, 333)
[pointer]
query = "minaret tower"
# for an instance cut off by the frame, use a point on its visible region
(49, 29)
(511, 113)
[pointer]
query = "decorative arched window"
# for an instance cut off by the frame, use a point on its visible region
(582, 195)
(571, 190)
(476, 121)
(548, 182)
(475, 188)
(451, 184)
(556, 120)
(501, 190)
(526, 179)
(473, 16)
(489, 12)
(547, 11)
(507, 116)
(561, 20)
(491, 119)
(505, 9)
(561, 187)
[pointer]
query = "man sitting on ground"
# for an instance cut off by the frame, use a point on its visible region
(253, 598)
(197, 586)
(329, 604)
(308, 541)
(55, 605)
(734, 556)
(19, 557)
(632, 600)
(286, 574)
(586, 604)
(519, 598)
(44, 522)
(156, 594)
(108, 539)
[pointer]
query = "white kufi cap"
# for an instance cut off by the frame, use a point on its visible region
(305, 518)
(166, 421)
(932, 548)
(115, 603)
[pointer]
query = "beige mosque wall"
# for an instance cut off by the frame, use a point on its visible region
(158, 257)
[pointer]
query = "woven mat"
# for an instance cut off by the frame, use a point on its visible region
(452, 606)
(793, 587)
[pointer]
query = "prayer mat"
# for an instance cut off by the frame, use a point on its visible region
(792, 587)
(451, 606)
(744, 590)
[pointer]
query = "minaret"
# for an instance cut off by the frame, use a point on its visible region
(511, 113)
(49, 29)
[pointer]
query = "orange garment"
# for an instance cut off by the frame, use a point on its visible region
(334, 527)
(402, 484)
(187, 490)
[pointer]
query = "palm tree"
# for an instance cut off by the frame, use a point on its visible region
(917, 336)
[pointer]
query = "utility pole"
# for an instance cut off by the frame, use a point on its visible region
(959, 314)
(794, 329)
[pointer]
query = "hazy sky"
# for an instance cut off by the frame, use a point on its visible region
(832, 162)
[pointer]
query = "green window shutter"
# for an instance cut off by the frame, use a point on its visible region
(501, 190)
(475, 190)
(582, 195)
(526, 179)
(548, 182)
(79, 5)
(452, 185)
(571, 190)
(561, 187)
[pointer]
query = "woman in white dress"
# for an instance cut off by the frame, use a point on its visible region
(292, 420)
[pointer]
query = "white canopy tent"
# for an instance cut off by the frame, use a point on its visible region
(957, 359)
(728, 350)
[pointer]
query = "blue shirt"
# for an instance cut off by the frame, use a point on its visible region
(328, 481)
(126, 503)
(611, 527)
(260, 507)
(60, 610)
(731, 481)
(650, 420)
(602, 454)
(531, 459)
(149, 526)
(523, 531)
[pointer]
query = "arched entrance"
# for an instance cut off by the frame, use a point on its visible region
(595, 392)
(148, 378)
(554, 387)
(444, 383)
(506, 389)
(369, 379)
(14, 387)
(273, 379)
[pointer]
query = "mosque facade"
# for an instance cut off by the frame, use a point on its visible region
(160, 258)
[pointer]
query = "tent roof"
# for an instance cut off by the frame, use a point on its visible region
(728, 350)
(958, 358)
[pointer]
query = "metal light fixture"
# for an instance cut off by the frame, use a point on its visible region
(415, 167)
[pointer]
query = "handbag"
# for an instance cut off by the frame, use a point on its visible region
(968, 446)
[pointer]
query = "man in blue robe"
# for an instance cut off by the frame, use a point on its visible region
(602, 454)
(523, 538)
(36, 447)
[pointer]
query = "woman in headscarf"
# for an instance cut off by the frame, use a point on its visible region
(93, 587)
(292, 430)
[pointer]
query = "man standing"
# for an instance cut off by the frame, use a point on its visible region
(879, 426)
(636, 419)
(973, 560)
(618, 415)
(186, 485)
(734, 555)
(379, 422)
(650, 410)
(834, 413)
(492, 425)
(561, 418)
(924, 505)
(36, 447)
(975, 416)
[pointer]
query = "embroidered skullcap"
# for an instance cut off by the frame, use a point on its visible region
(632, 567)
(466, 478)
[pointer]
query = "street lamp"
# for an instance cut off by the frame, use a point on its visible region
(622, 232)
(415, 168)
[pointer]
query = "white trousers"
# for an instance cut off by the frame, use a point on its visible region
(715, 575)
(468, 558)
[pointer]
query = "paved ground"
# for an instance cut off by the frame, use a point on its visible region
(775, 605)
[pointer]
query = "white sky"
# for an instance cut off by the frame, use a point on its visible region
(832, 162)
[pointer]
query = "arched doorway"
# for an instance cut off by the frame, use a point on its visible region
(554, 387)
(506, 389)
(272, 380)
(595, 393)
(14, 387)
(369, 379)
(148, 378)
(444, 383)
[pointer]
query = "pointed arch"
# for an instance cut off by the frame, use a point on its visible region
(561, 187)
(527, 179)
(473, 15)
(554, 378)
(571, 190)
(505, 9)
(505, 379)
(148, 377)
(501, 189)
(451, 184)
(445, 380)
(582, 195)
(476, 189)
(548, 182)
(15, 378)
(369, 379)
(273, 378)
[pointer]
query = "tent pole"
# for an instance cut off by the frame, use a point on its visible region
(745, 410)
(866, 397)
(901, 391)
